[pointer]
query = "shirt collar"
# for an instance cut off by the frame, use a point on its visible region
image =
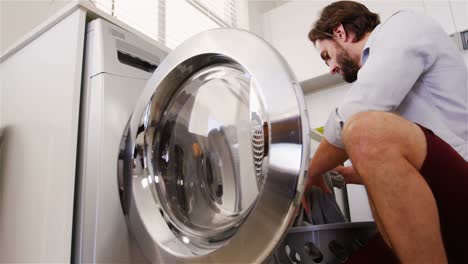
(370, 40)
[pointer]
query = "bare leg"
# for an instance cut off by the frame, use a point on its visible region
(351, 176)
(378, 222)
(387, 151)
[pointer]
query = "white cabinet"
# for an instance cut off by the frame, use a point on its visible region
(39, 102)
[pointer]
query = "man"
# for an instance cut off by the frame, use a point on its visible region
(403, 125)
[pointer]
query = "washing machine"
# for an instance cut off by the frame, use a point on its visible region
(117, 65)
(197, 155)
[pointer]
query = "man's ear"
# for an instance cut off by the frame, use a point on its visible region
(340, 34)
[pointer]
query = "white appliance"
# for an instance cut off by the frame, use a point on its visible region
(212, 157)
(117, 65)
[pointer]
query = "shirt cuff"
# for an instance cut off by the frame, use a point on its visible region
(333, 129)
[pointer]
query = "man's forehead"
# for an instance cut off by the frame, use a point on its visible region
(322, 48)
(323, 44)
(319, 45)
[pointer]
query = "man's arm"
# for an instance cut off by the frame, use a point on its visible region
(326, 157)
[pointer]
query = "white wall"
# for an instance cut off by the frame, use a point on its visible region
(286, 27)
(18, 17)
(321, 103)
(2, 28)
(256, 12)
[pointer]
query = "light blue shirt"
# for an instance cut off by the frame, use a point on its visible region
(410, 67)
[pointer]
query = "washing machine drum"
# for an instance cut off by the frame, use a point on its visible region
(215, 152)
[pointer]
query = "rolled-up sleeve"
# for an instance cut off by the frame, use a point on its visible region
(397, 58)
(333, 128)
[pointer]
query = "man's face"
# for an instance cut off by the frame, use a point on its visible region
(338, 59)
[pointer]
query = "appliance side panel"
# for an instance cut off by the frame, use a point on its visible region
(91, 65)
(40, 98)
(108, 99)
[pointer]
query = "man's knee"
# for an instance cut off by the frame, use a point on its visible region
(365, 134)
(381, 135)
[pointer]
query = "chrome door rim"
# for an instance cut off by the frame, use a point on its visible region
(288, 139)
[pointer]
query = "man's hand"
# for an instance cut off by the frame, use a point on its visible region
(325, 158)
(349, 174)
(313, 181)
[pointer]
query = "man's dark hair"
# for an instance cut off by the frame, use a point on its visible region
(354, 17)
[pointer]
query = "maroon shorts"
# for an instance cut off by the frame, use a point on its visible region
(446, 173)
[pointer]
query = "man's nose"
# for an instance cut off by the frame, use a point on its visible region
(334, 69)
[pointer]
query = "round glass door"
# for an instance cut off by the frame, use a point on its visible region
(204, 157)
(216, 152)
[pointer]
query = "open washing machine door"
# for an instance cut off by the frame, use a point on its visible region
(215, 153)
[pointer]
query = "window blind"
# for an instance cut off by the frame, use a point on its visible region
(173, 21)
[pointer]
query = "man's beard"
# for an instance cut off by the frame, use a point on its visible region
(348, 67)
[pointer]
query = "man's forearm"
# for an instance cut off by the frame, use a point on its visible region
(326, 157)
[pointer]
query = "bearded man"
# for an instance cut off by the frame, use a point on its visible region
(404, 126)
